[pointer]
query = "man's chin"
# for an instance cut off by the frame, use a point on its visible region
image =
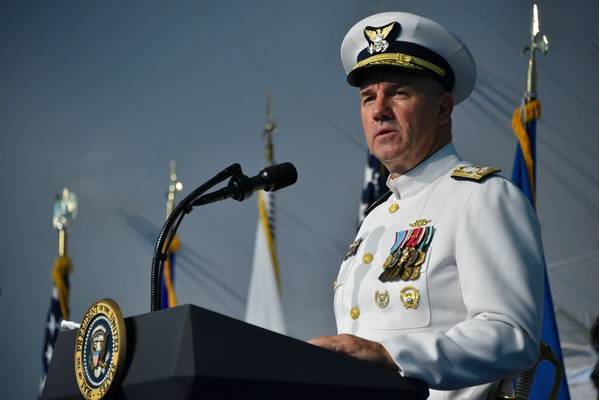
(397, 164)
(387, 156)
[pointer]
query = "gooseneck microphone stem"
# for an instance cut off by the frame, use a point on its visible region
(240, 187)
(167, 233)
(237, 188)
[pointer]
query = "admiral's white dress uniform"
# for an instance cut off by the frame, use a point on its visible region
(473, 315)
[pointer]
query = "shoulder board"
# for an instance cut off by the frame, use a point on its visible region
(380, 200)
(473, 172)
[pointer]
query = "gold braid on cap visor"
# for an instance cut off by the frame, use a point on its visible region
(401, 59)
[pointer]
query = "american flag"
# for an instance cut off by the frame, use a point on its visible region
(375, 178)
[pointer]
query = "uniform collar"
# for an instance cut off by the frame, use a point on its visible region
(427, 171)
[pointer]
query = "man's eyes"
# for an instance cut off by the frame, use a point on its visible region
(367, 99)
(400, 92)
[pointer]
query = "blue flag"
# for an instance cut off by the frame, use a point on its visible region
(524, 124)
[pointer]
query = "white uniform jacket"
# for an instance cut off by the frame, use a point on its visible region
(471, 314)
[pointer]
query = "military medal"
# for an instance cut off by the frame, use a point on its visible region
(393, 257)
(407, 254)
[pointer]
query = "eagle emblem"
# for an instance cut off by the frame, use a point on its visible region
(377, 37)
(99, 352)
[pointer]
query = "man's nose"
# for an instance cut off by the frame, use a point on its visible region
(381, 110)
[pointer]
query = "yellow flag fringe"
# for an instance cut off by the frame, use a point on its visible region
(61, 269)
(523, 115)
(168, 282)
(263, 215)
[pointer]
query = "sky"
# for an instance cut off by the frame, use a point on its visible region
(100, 96)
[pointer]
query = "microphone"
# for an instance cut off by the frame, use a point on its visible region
(274, 177)
(241, 187)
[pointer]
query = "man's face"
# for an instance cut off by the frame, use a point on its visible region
(402, 115)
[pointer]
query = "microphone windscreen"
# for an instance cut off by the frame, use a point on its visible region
(279, 176)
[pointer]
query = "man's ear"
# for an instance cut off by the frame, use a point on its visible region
(445, 108)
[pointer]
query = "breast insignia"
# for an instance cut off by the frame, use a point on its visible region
(420, 222)
(473, 172)
(410, 297)
(381, 299)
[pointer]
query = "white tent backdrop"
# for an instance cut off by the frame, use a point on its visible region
(99, 96)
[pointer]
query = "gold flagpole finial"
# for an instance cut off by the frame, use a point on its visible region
(65, 211)
(269, 130)
(537, 42)
(173, 187)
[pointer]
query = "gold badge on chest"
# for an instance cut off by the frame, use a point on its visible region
(420, 222)
(381, 299)
(410, 297)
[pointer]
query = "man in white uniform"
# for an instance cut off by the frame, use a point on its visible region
(444, 281)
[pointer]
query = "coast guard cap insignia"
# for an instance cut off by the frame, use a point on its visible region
(100, 350)
(376, 37)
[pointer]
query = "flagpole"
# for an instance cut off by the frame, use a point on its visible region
(269, 155)
(537, 42)
(65, 211)
(168, 294)
(174, 187)
(62, 242)
(525, 117)
(549, 382)
(264, 307)
(269, 131)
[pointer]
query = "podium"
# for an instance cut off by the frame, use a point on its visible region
(188, 352)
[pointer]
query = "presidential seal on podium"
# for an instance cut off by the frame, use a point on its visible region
(100, 350)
